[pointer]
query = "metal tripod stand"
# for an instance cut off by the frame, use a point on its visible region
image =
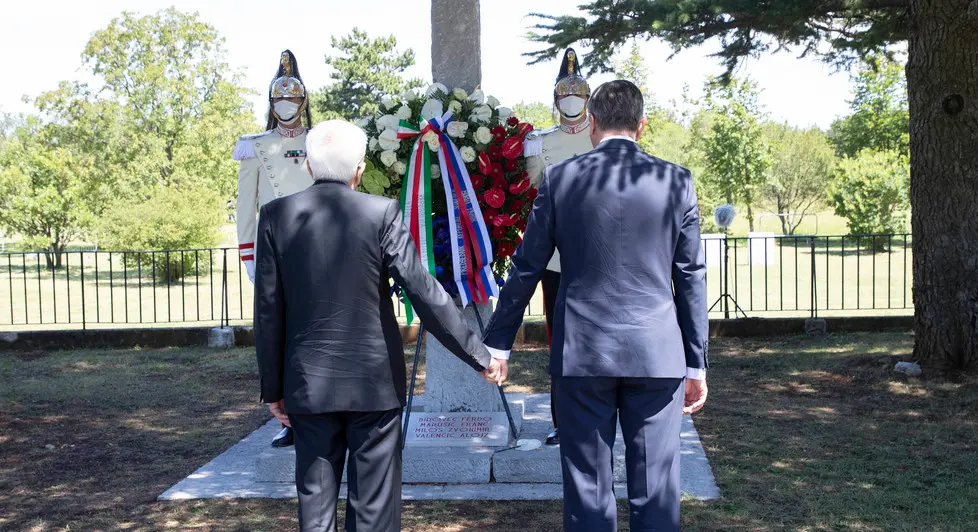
(725, 297)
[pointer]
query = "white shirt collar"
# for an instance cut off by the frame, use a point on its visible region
(616, 137)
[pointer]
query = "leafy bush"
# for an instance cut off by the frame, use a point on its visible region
(871, 191)
(169, 220)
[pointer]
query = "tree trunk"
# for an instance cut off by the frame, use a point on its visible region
(53, 256)
(750, 217)
(942, 72)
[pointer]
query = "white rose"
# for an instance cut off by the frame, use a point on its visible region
(504, 113)
(387, 102)
(373, 144)
(482, 114)
(468, 154)
(435, 171)
(492, 102)
(387, 121)
(477, 97)
(457, 129)
(400, 168)
(409, 96)
(455, 107)
(388, 140)
(431, 139)
(388, 158)
(483, 135)
(459, 94)
(363, 123)
(435, 87)
(404, 112)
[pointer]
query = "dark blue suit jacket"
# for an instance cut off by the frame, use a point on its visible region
(632, 297)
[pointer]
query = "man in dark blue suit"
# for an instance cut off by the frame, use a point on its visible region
(630, 327)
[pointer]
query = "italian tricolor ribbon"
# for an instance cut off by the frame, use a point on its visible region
(416, 201)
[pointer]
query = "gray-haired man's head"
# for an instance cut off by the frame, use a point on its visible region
(335, 151)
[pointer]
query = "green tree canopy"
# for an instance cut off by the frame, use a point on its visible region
(364, 71)
(802, 165)
(880, 118)
(541, 115)
(870, 191)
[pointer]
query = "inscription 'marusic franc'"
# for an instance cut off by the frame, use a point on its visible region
(458, 429)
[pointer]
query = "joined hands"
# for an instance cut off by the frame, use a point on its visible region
(497, 372)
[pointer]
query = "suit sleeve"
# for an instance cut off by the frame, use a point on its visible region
(269, 316)
(247, 207)
(528, 265)
(430, 301)
(689, 281)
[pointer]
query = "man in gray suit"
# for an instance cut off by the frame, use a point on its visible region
(329, 346)
(630, 327)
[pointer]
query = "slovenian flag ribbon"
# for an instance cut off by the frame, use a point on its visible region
(416, 201)
(471, 248)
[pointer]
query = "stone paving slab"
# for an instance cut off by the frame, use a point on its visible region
(234, 474)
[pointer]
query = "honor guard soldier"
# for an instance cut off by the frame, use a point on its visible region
(569, 138)
(273, 165)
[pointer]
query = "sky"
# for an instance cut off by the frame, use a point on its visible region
(48, 46)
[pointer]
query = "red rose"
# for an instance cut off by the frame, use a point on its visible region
(500, 182)
(477, 180)
(524, 174)
(518, 204)
(495, 197)
(495, 152)
(510, 220)
(481, 198)
(513, 121)
(485, 165)
(488, 215)
(523, 129)
(511, 165)
(520, 187)
(505, 249)
(499, 132)
(521, 226)
(532, 194)
(512, 147)
(499, 233)
(496, 170)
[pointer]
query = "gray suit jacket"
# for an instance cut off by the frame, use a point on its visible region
(632, 296)
(325, 331)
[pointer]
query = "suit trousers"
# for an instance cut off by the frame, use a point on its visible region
(650, 411)
(373, 440)
(550, 283)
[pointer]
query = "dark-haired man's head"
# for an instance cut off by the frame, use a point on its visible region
(617, 108)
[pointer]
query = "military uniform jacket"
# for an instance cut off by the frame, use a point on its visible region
(273, 165)
(547, 148)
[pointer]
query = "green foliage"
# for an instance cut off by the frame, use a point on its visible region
(169, 220)
(541, 115)
(47, 190)
(744, 29)
(365, 71)
(735, 155)
(871, 190)
(880, 118)
(632, 68)
(802, 165)
(179, 105)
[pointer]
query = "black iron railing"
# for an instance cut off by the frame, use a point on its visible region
(763, 276)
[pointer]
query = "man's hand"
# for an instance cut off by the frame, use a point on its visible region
(278, 410)
(497, 371)
(250, 268)
(695, 396)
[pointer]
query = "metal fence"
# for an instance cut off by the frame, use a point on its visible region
(759, 277)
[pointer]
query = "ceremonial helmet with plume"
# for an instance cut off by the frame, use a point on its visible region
(570, 83)
(287, 84)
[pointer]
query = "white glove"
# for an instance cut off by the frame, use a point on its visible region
(250, 268)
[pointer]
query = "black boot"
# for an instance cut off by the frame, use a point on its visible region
(284, 438)
(553, 438)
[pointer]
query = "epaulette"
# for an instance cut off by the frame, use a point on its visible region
(533, 145)
(245, 148)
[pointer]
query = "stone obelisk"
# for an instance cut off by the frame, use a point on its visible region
(450, 385)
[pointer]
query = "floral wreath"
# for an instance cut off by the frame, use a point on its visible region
(474, 147)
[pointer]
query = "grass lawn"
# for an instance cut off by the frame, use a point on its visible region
(803, 434)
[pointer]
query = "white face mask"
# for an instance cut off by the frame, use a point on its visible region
(572, 106)
(286, 110)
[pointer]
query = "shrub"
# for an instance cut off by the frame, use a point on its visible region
(169, 220)
(871, 191)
